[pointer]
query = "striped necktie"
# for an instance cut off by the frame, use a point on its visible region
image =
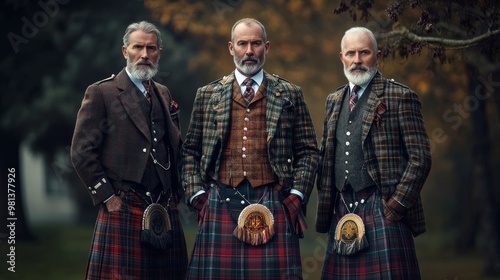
(249, 92)
(354, 96)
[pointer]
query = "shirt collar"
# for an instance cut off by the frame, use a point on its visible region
(258, 78)
(137, 82)
(362, 88)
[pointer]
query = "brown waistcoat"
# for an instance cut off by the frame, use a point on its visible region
(245, 152)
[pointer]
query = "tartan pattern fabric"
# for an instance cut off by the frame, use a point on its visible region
(249, 92)
(116, 252)
(290, 135)
(354, 97)
(221, 256)
(390, 254)
(396, 149)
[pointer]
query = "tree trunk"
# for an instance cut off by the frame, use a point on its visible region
(481, 92)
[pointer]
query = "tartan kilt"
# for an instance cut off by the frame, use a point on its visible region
(217, 254)
(389, 255)
(116, 252)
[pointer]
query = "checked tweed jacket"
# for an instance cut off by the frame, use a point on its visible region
(395, 146)
(291, 139)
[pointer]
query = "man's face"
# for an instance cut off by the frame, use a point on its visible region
(359, 58)
(248, 48)
(142, 54)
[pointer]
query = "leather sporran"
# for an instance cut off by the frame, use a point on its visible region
(255, 225)
(349, 235)
(156, 227)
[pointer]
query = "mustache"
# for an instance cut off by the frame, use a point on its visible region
(249, 59)
(144, 62)
(358, 67)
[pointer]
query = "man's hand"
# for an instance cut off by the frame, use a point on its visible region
(393, 210)
(199, 201)
(297, 219)
(114, 204)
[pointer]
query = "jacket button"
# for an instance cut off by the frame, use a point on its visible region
(144, 150)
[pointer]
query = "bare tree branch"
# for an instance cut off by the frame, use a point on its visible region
(403, 32)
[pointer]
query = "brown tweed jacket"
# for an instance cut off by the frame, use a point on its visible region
(291, 139)
(395, 146)
(112, 140)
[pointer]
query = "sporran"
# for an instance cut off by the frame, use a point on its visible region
(156, 227)
(255, 225)
(349, 235)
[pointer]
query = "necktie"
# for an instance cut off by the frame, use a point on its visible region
(249, 92)
(147, 86)
(354, 96)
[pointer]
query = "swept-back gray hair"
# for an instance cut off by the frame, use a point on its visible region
(358, 29)
(248, 22)
(143, 26)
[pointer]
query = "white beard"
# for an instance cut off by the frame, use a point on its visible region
(360, 78)
(142, 72)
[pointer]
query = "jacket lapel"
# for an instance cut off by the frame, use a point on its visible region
(220, 101)
(335, 111)
(374, 99)
(173, 132)
(275, 94)
(128, 96)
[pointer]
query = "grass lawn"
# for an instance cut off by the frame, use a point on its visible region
(61, 253)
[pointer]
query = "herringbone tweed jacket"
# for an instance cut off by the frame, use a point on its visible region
(291, 139)
(395, 145)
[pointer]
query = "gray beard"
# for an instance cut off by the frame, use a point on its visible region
(248, 70)
(360, 78)
(142, 72)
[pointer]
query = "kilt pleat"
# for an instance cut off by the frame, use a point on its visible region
(217, 254)
(390, 254)
(116, 252)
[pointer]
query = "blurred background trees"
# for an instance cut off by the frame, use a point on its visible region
(53, 49)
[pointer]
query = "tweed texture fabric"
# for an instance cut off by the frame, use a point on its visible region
(291, 139)
(245, 153)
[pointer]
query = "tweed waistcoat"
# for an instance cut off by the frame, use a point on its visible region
(245, 151)
(154, 173)
(349, 160)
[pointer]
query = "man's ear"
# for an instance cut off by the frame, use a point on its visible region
(124, 52)
(230, 47)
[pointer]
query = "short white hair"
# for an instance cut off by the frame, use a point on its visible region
(359, 29)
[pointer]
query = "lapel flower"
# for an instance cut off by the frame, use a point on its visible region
(381, 109)
(174, 107)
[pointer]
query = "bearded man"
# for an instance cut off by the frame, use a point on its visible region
(374, 160)
(249, 161)
(126, 151)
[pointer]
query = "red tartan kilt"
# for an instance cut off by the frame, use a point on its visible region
(219, 255)
(116, 252)
(391, 251)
